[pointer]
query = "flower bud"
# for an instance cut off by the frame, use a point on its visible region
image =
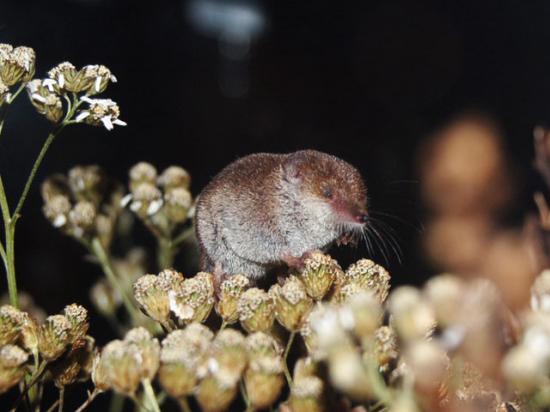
(306, 395)
(54, 336)
(345, 292)
(119, 368)
(428, 363)
(229, 350)
(98, 78)
(153, 299)
(540, 292)
(366, 314)
(524, 370)
(217, 390)
(178, 202)
(264, 380)
(368, 275)
(16, 64)
(11, 320)
(12, 366)
(445, 293)
(292, 303)
(142, 172)
(101, 112)
(146, 200)
(174, 177)
(193, 302)
(181, 354)
(348, 374)
(412, 317)
(86, 183)
(99, 373)
(149, 351)
(82, 218)
(68, 78)
(259, 344)
(255, 309)
(56, 209)
(78, 317)
(45, 100)
(231, 290)
(319, 273)
(29, 333)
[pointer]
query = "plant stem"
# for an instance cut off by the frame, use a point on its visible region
(87, 402)
(379, 388)
(99, 252)
(150, 395)
(117, 402)
(8, 263)
(166, 253)
(285, 356)
(183, 235)
(61, 398)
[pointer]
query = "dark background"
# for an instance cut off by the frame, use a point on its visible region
(366, 81)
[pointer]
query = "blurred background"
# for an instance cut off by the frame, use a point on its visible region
(435, 103)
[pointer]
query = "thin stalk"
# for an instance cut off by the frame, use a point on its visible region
(285, 356)
(54, 405)
(186, 233)
(379, 388)
(246, 399)
(91, 396)
(99, 252)
(33, 380)
(61, 399)
(150, 395)
(8, 263)
(166, 253)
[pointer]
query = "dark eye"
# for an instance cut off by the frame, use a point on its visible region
(327, 192)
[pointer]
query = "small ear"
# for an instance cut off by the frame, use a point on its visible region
(293, 168)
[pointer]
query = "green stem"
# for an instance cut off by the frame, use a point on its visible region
(166, 253)
(99, 252)
(8, 262)
(379, 388)
(285, 356)
(117, 402)
(150, 395)
(183, 235)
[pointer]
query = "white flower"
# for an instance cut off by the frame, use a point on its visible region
(101, 111)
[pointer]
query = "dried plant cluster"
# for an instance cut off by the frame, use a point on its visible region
(319, 339)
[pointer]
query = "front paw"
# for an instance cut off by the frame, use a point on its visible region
(297, 263)
(346, 239)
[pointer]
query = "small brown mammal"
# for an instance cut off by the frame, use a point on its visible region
(266, 210)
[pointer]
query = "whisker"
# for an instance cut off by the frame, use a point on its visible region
(382, 245)
(398, 219)
(392, 238)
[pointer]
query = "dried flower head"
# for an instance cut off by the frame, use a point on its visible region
(44, 98)
(540, 292)
(292, 304)
(100, 112)
(228, 351)
(54, 337)
(194, 300)
(182, 352)
(524, 369)
(445, 293)
(149, 350)
(82, 219)
(363, 314)
(256, 310)
(145, 200)
(174, 177)
(217, 390)
(306, 395)
(348, 374)
(231, 290)
(68, 78)
(77, 315)
(16, 64)
(76, 365)
(119, 368)
(29, 333)
(12, 366)
(11, 320)
(98, 78)
(5, 94)
(318, 275)
(428, 363)
(368, 275)
(56, 209)
(260, 344)
(412, 317)
(86, 183)
(264, 380)
(142, 172)
(152, 297)
(178, 202)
